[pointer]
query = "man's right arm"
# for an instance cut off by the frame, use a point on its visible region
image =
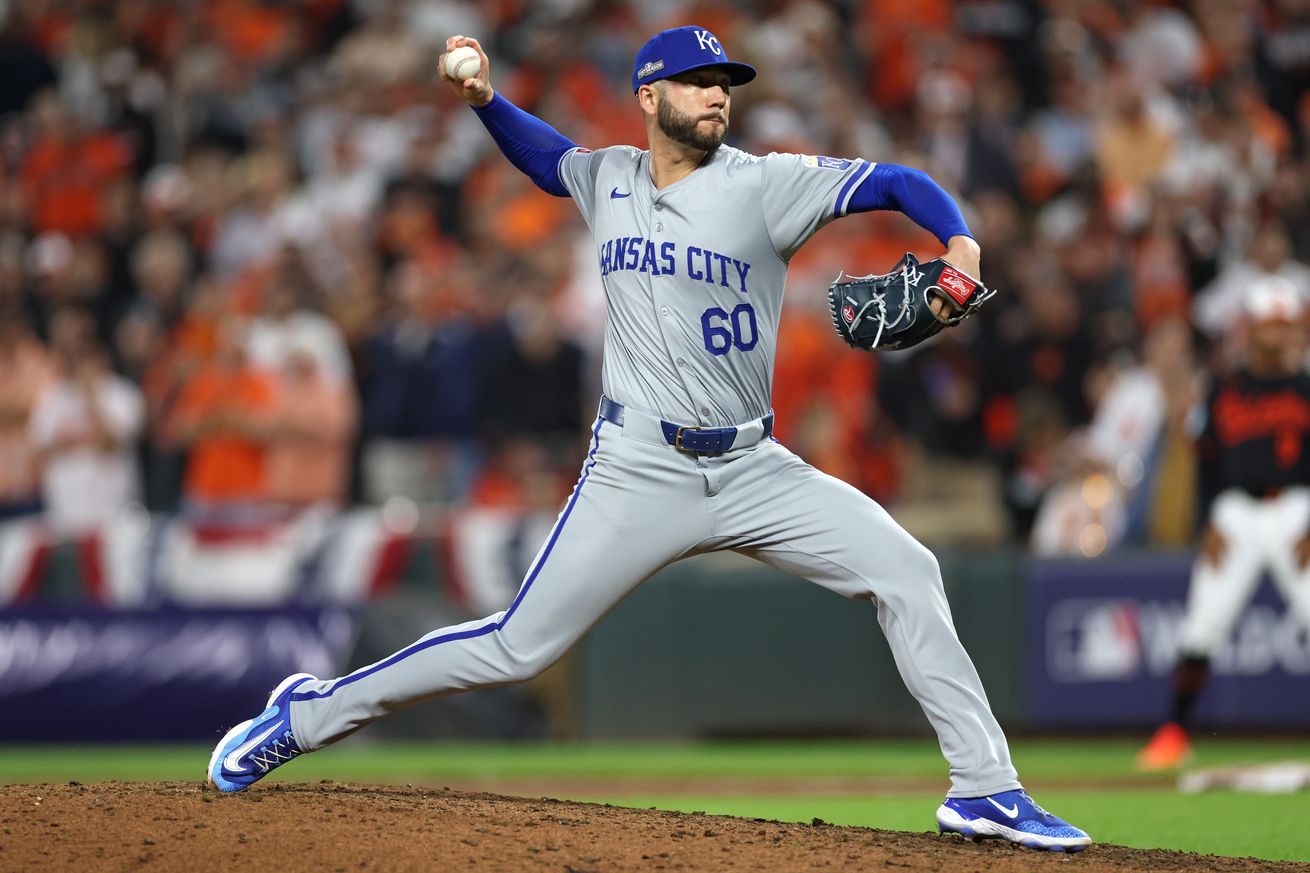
(530, 144)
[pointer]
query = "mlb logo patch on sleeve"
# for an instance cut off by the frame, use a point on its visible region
(823, 162)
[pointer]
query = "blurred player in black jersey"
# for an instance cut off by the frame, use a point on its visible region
(1255, 492)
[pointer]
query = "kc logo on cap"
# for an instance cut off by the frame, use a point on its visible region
(675, 51)
(709, 41)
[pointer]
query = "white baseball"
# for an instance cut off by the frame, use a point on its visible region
(463, 63)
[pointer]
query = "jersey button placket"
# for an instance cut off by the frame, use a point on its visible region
(666, 312)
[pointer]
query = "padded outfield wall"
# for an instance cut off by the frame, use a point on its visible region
(716, 646)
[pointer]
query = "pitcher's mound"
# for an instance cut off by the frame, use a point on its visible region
(337, 828)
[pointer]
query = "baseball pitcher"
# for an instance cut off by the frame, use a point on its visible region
(692, 240)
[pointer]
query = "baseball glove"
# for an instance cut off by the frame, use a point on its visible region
(892, 311)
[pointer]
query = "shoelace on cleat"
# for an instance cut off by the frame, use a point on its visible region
(1035, 805)
(272, 755)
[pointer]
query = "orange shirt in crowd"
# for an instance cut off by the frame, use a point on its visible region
(252, 31)
(825, 407)
(65, 179)
(895, 30)
(225, 465)
(309, 444)
(814, 371)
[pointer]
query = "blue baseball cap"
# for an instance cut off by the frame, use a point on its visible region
(680, 49)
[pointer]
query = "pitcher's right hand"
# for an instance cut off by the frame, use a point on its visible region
(477, 90)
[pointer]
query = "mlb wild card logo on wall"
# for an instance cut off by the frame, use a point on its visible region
(823, 162)
(1116, 639)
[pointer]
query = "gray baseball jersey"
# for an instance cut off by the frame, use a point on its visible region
(694, 276)
(694, 272)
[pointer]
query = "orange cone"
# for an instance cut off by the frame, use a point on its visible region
(1168, 749)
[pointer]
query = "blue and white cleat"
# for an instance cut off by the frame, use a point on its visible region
(1013, 816)
(252, 749)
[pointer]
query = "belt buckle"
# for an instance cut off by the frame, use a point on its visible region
(677, 438)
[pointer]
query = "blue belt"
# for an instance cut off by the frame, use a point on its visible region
(688, 438)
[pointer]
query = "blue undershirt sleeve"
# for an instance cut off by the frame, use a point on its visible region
(914, 193)
(531, 145)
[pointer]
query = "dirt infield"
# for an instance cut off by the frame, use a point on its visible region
(339, 828)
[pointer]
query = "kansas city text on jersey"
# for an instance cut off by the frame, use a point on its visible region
(639, 254)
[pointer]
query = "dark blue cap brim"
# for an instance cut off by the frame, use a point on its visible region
(738, 73)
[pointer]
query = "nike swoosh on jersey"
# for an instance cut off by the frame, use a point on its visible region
(232, 761)
(1011, 811)
(615, 195)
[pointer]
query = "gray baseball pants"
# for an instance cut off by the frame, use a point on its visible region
(640, 505)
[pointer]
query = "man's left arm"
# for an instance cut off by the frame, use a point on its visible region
(914, 193)
(802, 193)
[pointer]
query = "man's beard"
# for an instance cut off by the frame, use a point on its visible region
(685, 129)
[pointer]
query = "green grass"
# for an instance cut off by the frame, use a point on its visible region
(1218, 823)
(1137, 812)
(1037, 760)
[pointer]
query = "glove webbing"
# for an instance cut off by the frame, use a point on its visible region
(879, 300)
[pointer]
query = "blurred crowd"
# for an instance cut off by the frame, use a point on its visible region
(254, 256)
